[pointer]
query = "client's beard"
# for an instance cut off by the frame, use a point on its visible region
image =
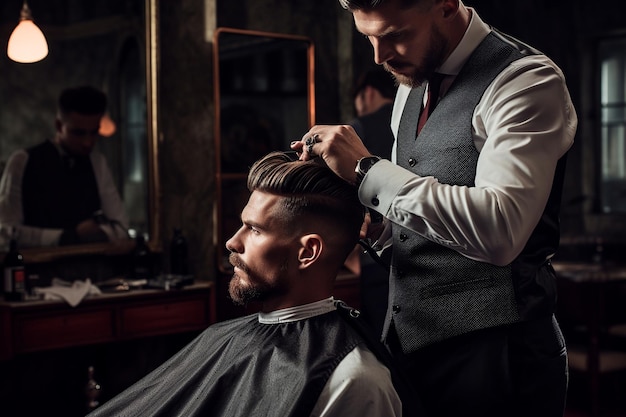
(257, 289)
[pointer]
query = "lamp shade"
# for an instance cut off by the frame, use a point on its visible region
(27, 43)
(107, 126)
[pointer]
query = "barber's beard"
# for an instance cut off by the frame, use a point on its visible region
(255, 288)
(437, 50)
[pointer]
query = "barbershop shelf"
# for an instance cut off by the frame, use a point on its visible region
(45, 254)
(590, 272)
(32, 326)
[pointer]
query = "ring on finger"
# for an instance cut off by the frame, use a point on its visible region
(310, 141)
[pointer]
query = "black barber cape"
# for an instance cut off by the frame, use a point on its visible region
(245, 368)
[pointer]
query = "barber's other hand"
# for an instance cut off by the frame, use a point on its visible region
(338, 145)
(89, 231)
(371, 230)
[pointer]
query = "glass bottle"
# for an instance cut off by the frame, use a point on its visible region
(141, 261)
(92, 390)
(178, 253)
(14, 274)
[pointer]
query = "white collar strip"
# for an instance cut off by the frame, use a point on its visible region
(305, 311)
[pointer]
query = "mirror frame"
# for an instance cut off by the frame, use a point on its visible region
(218, 238)
(151, 51)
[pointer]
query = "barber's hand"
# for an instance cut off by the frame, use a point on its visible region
(89, 231)
(370, 230)
(338, 145)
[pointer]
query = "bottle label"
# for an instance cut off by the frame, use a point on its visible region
(14, 279)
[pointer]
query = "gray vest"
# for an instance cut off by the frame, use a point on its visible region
(436, 293)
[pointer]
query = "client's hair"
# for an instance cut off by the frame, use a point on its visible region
(311, 190)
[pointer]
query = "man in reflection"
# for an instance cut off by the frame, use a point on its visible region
(61, 191)
(373, 102)
(304, 354)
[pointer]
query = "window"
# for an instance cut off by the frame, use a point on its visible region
(612, 72)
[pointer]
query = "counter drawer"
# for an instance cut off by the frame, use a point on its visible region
(59, 330)
(169, 317)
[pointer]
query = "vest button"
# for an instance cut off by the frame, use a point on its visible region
(375, 201)
(395, 309)
(412, 162)
(403, 237)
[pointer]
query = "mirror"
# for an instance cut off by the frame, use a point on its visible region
(111, 45)
(264, 99)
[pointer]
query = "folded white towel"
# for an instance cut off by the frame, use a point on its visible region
(72, 292)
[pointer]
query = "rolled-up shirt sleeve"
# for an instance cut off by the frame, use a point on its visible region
(112, 204)
(11, 214)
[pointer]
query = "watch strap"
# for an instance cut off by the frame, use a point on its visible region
(363, 165)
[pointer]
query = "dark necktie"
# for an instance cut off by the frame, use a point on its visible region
(433, 94)
(68, 162)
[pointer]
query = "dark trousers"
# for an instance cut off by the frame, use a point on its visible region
(510, 371)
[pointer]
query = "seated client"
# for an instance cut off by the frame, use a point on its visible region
(304, 354)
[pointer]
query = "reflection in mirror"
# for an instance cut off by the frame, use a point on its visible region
(264, 99)
(109, 44)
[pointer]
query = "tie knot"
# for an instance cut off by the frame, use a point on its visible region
(68, 161)
(434, 84)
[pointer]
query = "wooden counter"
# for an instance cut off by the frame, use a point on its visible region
(32, 326)
(591, 301)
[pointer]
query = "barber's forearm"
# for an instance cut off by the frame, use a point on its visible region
(34, 237)
(442, 213)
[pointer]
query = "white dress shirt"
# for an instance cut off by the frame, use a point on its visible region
(360, 386)
(524, 123)
(12, 215)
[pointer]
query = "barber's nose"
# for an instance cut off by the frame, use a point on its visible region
(89, 141)
(382, 52)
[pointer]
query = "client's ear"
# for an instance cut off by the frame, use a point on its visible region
(311, 247)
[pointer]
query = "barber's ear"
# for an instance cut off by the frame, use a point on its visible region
(310, 250)
(368, 93)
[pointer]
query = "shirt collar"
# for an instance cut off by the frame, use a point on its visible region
(474, 35)
(296, 313)
(59, 148)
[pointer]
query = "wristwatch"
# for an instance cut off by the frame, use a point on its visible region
(363, 165)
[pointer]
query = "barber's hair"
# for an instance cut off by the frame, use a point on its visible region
(373, 4)
(85, 100)
(379, 79)
(311, 191)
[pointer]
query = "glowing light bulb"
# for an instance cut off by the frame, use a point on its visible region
(27, 43)
(107, 126)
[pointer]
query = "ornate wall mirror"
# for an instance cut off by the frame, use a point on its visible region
(264, 99)
(111, 45)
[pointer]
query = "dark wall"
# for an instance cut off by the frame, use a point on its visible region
(186, 121)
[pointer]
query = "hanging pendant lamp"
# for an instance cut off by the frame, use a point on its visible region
(27, 43)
